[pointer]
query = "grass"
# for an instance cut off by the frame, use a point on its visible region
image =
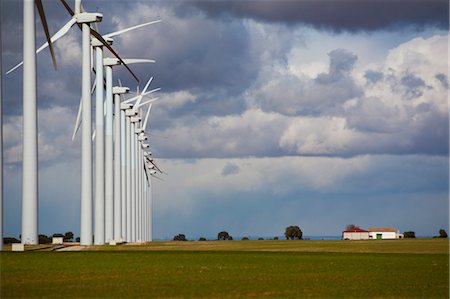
(250, 269)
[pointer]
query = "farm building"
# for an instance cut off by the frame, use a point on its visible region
(355, 234)
(377, 233)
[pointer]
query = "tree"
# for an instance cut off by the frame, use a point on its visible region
(10, 240)
(350, 227)
(245, 239)
(43, 239)
(180, 237)
(260, 239)
(275, 238)
(409, 234)
(202, 239)
(223, 235)
(293, 232)
(77, 239)
(68, 237)
(442, 233)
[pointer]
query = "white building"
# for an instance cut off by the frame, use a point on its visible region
(377, 233)
(355, 234)
(57, 240)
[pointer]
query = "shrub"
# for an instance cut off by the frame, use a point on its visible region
(245, 239)
(180, 237)
(223, 235)
(409, 234)
(202, 239)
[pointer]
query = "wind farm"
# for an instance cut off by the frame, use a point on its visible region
(203, 149)
(108, 205)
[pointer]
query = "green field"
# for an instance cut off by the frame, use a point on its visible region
(295, 269)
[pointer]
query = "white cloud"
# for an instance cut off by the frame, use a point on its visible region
(178, 99)
(54, 136)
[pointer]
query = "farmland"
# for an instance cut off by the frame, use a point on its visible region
(359, 269)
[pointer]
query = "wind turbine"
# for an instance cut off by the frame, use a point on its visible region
(100, 141)
(29, 141)
(83, 20)
(1, 153)
(128, 117)
(139, 171)
(109, 169)
(118, 206)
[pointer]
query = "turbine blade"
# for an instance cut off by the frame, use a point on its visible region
(153, 90)
(131, 28)
(144, 126)
(40, 9)
(143, 91)
(78, 121)
(93, 134)
(148, 102)
(131, 99)
(61, 32)
(146, 85)
(80, 108)
(105, 43)
(145, 170)
(68, 7)
(153, 163)
(120, 82)
(130, 61)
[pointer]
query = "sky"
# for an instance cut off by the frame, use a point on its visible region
(272, 113)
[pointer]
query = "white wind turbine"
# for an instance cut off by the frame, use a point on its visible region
(29, 141)
(100, 142)
(141, 206)
(120, 187)
(109, 170)
(128, 118)
(1, 154)
(119, 203)
(149, 167)
(86, 148)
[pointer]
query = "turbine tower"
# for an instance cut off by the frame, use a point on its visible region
(29, 141)
(84, 20)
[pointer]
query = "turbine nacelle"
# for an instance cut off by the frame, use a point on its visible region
(131, 112)
(142, 138)
(120, 90)
(135, 119)
(96, 43)
(108, 61)
(88, 17)
(126, 106)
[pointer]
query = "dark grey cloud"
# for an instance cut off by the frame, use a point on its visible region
(344, 15)
(322, 95)
(414, 85)
(373, 76)
(443, 79)
(230, 169)
(341, 63)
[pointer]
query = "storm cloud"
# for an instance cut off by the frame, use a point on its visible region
(337, 16)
